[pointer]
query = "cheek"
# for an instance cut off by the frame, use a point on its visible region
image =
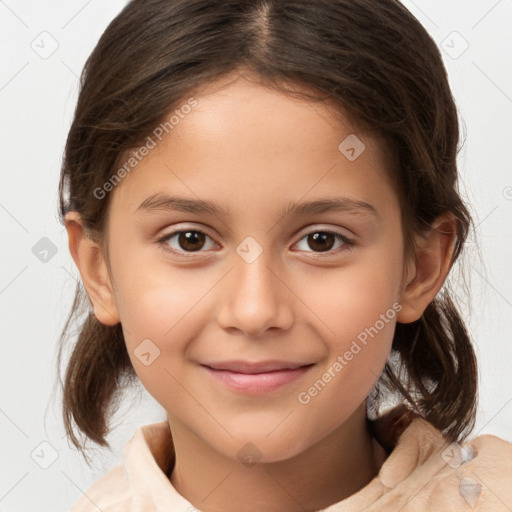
(360, 321)
(154, 299)
(353, 298)
(363, 322)
(155, 332)
(157, 309)
(357, 307)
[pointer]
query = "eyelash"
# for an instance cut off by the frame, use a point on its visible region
(347, 243)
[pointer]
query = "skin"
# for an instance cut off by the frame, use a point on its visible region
(253, 150)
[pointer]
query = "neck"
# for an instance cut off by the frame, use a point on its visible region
(331, 470)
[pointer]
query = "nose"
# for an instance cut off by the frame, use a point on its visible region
(255, 298)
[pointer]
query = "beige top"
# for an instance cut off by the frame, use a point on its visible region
(422, 473)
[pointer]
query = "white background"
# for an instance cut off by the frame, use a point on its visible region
(37, 99)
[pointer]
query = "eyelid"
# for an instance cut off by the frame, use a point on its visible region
(319, 228)
(162, 239)
(348, 241)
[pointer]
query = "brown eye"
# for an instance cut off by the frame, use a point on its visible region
(321, 241)
(191, 240)
(187, 241)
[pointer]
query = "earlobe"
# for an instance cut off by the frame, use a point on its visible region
(90, 261)
(433, 260)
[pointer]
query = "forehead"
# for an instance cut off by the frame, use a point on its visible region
(243, 139)
(245, 102)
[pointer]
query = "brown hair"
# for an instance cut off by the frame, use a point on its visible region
(373, 60)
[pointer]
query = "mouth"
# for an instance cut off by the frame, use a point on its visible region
(256, 378)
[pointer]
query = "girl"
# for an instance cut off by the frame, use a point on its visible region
(261, 199)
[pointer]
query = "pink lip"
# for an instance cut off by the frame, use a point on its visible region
(250, 382)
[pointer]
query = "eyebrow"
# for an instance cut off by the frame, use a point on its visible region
(329, 204)
(163, 202)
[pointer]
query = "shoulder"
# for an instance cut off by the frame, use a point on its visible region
(490, 446)
(477, 473)
(146, 460)
(490, 466)
(474, 475)
(425, 472)
(111, 490)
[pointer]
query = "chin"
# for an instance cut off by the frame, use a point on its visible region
(256, 447)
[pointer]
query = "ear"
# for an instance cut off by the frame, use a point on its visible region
(90, 260)
(433, 260)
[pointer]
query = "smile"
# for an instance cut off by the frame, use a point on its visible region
(249, 382)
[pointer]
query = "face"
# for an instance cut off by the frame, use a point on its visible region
(282, 245)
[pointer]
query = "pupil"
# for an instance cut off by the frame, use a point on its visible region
(324, 241)
(187, 239)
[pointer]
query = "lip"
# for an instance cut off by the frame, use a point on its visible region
(256, 378)
(239, 366)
